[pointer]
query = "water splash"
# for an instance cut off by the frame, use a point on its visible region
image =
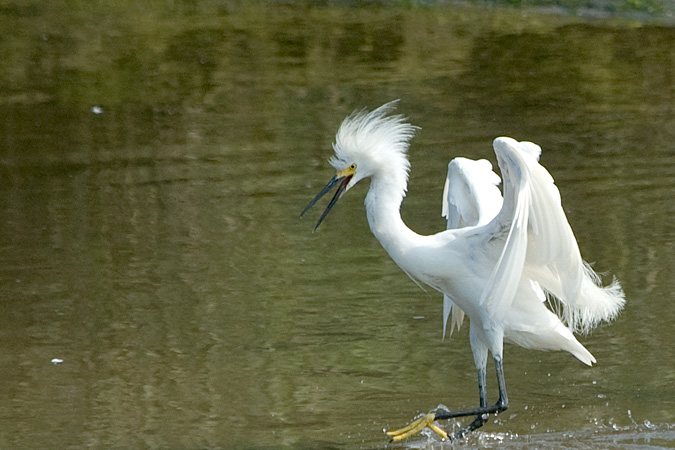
(610, 436)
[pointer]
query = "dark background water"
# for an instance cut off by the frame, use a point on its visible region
(154, 158)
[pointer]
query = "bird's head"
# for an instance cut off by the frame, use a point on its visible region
(368, 144)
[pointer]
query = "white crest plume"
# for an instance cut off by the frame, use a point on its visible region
(376, 142)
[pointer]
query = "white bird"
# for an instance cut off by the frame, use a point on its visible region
(501, 261)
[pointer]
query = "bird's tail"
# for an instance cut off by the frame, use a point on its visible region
(595, 303)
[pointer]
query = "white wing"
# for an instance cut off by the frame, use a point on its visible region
(470, 197)
(539, 243)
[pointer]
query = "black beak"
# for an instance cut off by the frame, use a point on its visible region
(344, 181)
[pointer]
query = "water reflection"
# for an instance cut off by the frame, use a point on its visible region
(153, 244)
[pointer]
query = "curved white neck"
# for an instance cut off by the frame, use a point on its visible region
(383, 209)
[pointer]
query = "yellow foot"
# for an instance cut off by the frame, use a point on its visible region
(416, 426)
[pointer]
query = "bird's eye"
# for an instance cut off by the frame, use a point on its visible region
(353, 167)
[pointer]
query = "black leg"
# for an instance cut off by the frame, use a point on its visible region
(482, 387)
(483, 412)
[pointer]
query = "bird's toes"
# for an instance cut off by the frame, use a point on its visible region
(416, 426)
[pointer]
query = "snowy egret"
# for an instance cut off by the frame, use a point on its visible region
(501, 261)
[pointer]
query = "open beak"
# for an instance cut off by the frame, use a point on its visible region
(342, 180)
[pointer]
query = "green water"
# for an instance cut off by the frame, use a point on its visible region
(154, 159)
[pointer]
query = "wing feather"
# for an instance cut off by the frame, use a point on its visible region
(539, 244)
(470, 198)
